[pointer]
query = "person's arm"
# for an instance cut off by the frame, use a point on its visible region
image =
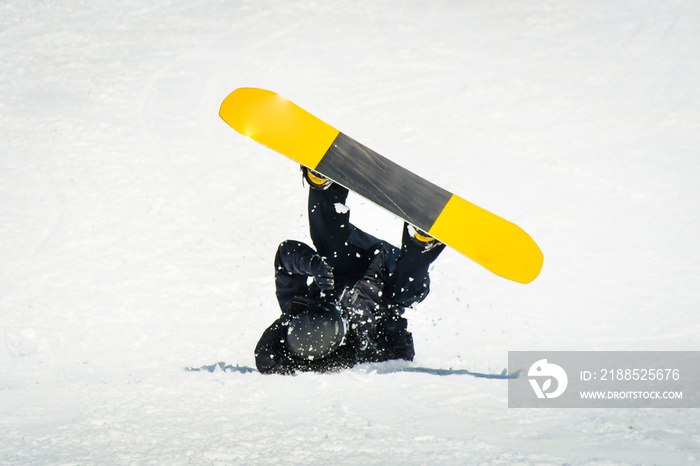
(294, 262)
(271, 354)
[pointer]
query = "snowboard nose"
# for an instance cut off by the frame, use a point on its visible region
(279, 124)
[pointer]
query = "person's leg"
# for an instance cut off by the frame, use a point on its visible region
(328, 223)
(410, 282)
(330, 228)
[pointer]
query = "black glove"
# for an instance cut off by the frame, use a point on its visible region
(322, 272)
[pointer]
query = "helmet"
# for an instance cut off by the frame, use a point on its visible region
(316, 331)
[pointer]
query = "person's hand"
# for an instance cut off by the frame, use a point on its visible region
(322, 273)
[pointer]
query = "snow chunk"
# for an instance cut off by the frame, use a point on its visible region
(341, 208)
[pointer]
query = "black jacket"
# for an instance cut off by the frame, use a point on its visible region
(374, 282)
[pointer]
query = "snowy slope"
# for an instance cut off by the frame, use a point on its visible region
(137, 230)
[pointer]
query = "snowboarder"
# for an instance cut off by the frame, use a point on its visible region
(352, 310)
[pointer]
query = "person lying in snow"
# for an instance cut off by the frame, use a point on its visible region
(352, 311)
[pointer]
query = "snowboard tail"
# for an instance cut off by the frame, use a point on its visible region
(495, 243)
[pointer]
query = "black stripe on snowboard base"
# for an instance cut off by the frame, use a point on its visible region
(383, 182)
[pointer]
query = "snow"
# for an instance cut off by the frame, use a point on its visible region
(137, 230)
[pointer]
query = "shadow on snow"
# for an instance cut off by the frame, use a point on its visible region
(379, 368)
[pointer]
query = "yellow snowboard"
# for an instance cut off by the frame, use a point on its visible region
(497, 244)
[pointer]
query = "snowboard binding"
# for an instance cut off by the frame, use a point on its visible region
(423, 239)
(315, 179)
